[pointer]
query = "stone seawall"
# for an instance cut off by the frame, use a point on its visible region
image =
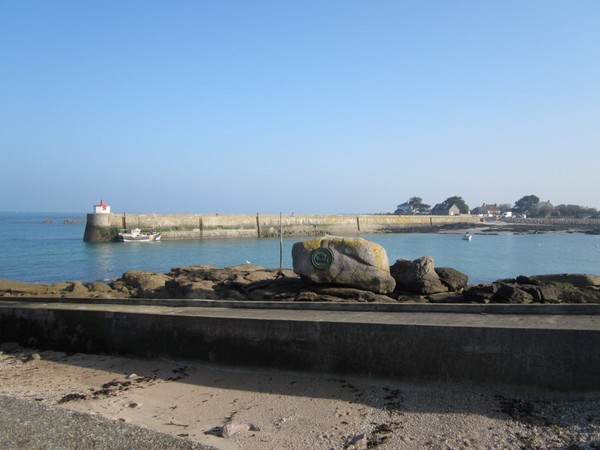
(105, 227)
(522, 345)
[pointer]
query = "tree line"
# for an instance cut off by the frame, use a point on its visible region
(531, 206)
(528, 206)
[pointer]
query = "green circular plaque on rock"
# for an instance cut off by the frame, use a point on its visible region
(321, 258)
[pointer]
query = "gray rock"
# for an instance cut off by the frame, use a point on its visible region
(345, 294)
(577, 280)
(446, 298)
(76, 288)
(418, 276)
(97, 286)
(231, 429)
(480, 293)
(454, 279)
(549, 293)
(543, 293)
(148, 284)
(535, 289)
(182, 288)
(511, 293)
(353, 262)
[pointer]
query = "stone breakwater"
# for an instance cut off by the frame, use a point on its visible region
(105, 227)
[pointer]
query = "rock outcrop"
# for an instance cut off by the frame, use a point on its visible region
(66, 289)
(560, 288)
(342, 261)
(254, 283)
(146, 284)
(242, 282)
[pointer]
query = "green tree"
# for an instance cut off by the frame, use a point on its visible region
(575, 211)
(418, 206)
(526, 205)
(459, 202)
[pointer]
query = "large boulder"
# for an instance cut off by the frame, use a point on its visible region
(353, 262)
(418, 276)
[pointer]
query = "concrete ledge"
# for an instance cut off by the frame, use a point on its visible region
(469, 308)
(556, 351)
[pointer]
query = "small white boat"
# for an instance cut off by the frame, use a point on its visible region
(467, 236)
(136, 235)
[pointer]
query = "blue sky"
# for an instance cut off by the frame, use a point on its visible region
(297, 106)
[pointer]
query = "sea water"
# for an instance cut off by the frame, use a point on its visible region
(48, 247)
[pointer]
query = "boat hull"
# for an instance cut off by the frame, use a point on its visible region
(137, 236)
(146, 238)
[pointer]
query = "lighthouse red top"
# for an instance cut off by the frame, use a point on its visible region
(101, 208)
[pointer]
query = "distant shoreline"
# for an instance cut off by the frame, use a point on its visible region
(529, 226)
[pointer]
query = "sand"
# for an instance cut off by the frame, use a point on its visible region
(243, 408)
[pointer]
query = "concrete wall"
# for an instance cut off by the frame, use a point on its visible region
(531, 350)
(104, 227)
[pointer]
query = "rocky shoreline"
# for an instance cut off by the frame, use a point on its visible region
(514, 226)
(249, 282)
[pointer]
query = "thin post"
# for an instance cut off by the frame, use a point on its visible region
(280, 244)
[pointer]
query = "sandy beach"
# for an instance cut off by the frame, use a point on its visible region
(235, 408)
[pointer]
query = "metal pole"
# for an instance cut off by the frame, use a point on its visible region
(280, 244)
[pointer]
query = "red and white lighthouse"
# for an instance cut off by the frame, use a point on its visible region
(102, 208)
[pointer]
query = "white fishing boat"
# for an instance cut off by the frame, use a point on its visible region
(136, 235)
(467, 236)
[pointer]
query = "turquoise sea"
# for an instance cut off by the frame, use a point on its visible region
(41, 247)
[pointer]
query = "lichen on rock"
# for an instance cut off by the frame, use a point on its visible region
(354, 262)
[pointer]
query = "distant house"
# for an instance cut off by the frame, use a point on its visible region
(544, 205)
(486, 210)
(544, 209)
(441, 209)
(404, 208)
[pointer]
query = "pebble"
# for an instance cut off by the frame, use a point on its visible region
(33, 357)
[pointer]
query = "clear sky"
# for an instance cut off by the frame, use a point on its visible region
(297, 106)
